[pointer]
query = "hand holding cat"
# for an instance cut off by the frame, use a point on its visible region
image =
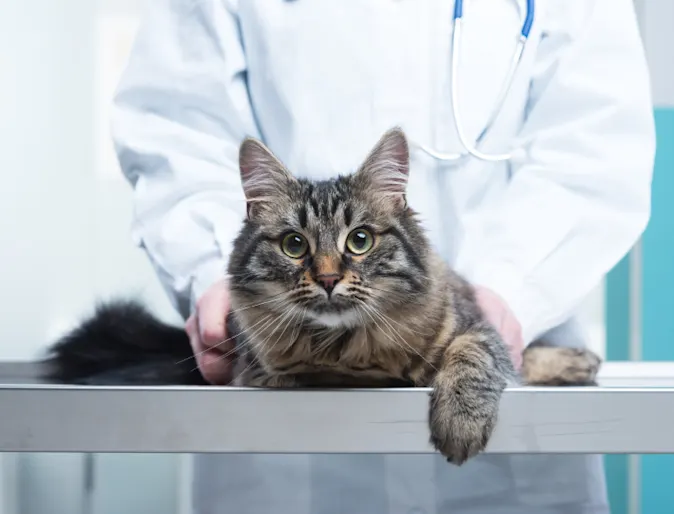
(504, 321)
(207, 331)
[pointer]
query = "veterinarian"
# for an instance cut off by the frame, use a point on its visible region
(533, 205)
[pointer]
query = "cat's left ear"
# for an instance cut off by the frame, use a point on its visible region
(263, 177)
(386, 170)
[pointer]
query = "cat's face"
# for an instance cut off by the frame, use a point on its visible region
(335, 253)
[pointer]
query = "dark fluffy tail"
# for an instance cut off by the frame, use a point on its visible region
(121, 343)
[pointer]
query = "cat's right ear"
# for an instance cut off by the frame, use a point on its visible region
(263, 177)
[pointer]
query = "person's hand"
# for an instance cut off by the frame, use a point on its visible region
(502, 318)
(207, 331)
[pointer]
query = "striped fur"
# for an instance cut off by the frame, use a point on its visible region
(335, 316)
(398, 316)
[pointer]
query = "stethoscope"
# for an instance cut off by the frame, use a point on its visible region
(471, 148)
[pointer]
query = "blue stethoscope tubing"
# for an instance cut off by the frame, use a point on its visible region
(471, 148)
(528, 17)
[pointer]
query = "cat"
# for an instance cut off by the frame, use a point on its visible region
(334, 284)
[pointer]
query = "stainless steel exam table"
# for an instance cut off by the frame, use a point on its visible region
(631, 412)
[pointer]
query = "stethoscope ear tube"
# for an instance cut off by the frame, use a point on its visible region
(470, 148)
(529, 18)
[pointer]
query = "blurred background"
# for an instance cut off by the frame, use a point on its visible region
(65, 212)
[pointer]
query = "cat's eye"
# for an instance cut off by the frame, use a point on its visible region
(359, 241)
(294, 245)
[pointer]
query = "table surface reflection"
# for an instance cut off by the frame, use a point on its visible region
(628, 413)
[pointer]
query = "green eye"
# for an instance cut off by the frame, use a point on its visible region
(294, 245)
(360, 241)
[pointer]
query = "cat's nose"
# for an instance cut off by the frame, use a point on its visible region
(329, 281)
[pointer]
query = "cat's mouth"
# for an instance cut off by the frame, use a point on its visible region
(332, 306)
(336, 311)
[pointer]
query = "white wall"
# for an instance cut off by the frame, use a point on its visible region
(64, 208)
(656, 18)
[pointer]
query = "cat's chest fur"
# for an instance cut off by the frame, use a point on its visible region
(386, 354)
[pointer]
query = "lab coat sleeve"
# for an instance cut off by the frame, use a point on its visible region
(179, 114)
(579, 194)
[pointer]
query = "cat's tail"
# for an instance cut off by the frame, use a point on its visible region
(121, 343)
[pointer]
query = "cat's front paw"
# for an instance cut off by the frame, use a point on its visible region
(461, 422)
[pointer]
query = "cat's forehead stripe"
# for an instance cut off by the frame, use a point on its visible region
(314, 205)
(348, 214)
(302, 215)
(325, 203)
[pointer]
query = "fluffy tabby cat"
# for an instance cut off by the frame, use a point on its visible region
(334, 284)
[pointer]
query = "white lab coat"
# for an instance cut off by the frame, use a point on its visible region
(319, 82)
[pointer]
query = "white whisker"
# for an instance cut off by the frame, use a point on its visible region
(402, 340)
